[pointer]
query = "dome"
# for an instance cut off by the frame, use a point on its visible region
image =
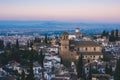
(64, 33)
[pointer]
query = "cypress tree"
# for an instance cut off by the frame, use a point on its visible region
(8, 46)
(90, 74)
(80, 67)
(31, 73)
(112, 36)
(41, 58)
(17, 44)
(105, 33)
(46, 39)
(116, 35)
(117, 71)
(1, 44)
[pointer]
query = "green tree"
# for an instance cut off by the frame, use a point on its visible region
(105, 33)
(89, 77)
(37, 40)
(31, 73)
(46, 39)
(1, 44)
(23, 75)
(3, 59)
(8, 46)
(117, 71)
(116, 35)
(4, 79)
(41, 58)
(112, 36)
(80, 67)
(15, 54)
(108, 69)
(17, 44)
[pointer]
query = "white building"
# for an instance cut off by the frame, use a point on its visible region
(76, 34)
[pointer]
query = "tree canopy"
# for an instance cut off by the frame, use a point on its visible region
(117, 71)
(80, 67)
(1, 44)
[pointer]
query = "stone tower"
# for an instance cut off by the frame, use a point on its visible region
(64, 43)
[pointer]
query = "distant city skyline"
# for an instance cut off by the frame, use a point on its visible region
(76, 10)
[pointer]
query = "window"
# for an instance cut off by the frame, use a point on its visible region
(94, 49)
(88, 61)
(66, 37)
(82, 56)
(86, 49)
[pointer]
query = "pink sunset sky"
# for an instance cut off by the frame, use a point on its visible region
(82, 10)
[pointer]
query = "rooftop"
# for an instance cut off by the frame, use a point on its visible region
(76, 33)
(84, 43)
(65, 33)
(91, 53)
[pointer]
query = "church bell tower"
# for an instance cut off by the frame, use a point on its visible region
(64, 43)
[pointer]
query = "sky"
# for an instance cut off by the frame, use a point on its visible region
(76, 10)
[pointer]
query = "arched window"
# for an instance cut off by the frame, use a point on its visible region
(64, 37)
(94, 49)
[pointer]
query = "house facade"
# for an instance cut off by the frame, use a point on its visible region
(90, 50)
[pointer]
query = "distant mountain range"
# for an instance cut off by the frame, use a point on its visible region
(53, 27)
